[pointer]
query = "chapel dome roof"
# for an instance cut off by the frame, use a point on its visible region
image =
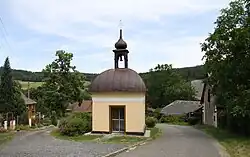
(118, 80)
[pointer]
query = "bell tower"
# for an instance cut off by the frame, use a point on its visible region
(121, 52)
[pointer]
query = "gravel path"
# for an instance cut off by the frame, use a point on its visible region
(41, 144)
(178, 141)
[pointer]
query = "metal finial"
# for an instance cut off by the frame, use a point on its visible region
(120, 24)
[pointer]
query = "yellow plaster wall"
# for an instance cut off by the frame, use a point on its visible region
(134, 115)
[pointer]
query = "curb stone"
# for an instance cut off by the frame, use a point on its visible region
(112, 154)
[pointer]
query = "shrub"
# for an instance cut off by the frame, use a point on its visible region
(53, 118)
(22, 127)
(39, 125)
(1, 120)
(75, 124)
(157, 113)
(150, 122)
(46, 121)
(193, 120)
(24, 118)
(173, 119)
(2, 130)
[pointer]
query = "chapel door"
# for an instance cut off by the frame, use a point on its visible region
(117, 119)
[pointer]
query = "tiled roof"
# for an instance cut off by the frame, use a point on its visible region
(198, 87)
(85, 106)
(179, 107)
(27, 100)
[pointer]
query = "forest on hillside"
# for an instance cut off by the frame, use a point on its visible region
(188, 73)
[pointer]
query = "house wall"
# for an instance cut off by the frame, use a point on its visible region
(134, 111)
(209, 109)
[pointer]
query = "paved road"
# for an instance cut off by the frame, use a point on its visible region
(177, 141)
(41, 144)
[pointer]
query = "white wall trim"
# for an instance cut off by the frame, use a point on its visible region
(140, 99)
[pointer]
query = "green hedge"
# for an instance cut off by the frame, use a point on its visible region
(194, 120)
(173, 119)
(151, 122)
(76, 124)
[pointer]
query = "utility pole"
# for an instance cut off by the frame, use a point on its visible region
(29, 88)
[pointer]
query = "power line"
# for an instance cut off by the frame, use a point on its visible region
(3, 26)
(5, 33)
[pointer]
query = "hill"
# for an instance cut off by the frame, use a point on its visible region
(189, 73)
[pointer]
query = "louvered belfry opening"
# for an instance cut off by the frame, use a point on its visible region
(121, 52)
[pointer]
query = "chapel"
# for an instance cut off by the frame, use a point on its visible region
(118, 97)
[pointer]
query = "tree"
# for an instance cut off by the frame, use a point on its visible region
(165, 86)
(227, 56)
(10, 97)
(63, 83)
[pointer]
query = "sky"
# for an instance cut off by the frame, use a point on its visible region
(156, 31)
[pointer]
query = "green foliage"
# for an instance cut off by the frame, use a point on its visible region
(46, 121)
(23, 127)
(53, 118)
(2, 130)
(63, 85)
(75, 124)
(227, 56)
(150, 122)
(165, 86)
(173, 119)
(189, 73)
(23, 119)
(11, 100)
(155, 132)
(157, 113)
(1, 120)
(194, 120)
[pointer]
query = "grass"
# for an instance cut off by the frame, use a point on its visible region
(78, 138)
(236, 146)
(125, 139)
(155, 132)
(179, 123)
(24, 84)
(5, 137)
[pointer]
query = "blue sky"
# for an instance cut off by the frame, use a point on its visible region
(156, 31)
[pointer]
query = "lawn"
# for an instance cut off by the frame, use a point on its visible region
(236, 146)
(24, 84)
(79, 138)
(155, 132)
(125, 139)
(5, 137)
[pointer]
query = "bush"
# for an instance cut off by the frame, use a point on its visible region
(22, 127)
(24, 118)
(46, 122)
(2, 130)
(172, 119)
(1, 120)
(75, 124)
(193, 120)
(53, 118)
(157, 113)
(150, 122)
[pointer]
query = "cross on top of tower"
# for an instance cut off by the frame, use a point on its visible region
(120, 24)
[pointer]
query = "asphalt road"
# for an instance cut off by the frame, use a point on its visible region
(178, 141)
(41, 144)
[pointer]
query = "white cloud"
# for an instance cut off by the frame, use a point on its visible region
(95, 23)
